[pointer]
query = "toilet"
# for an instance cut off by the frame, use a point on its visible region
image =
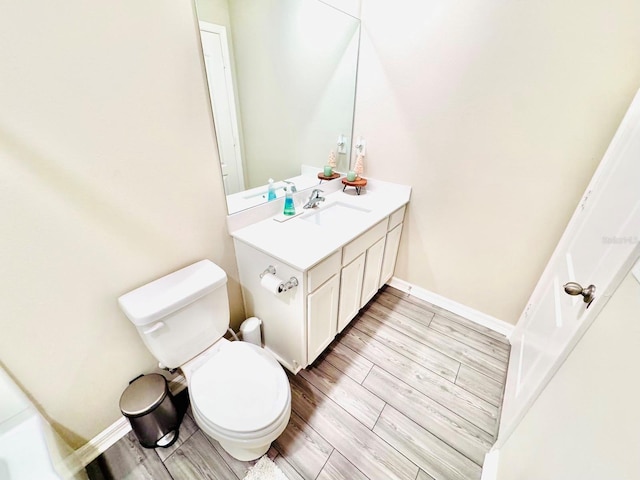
(239, 393)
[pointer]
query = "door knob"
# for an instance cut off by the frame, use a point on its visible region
(588, 293)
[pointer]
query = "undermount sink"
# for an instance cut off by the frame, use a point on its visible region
(334, 213)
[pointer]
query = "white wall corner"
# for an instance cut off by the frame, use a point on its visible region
(469, 313)
(114, 432)
(490, 465)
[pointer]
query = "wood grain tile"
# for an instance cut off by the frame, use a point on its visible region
(345, 391)
(375, 318)
(424, 449)
(478, 411)
(347, 361)
(387, 289)
(187, 428)
(303, 448)
(422, 475)
(452, 429)
(128, 459)
(290, 472)
(339, 468)
(446, 313)
(426, 356)
(197, 459)
(238, 467)
(405, 315)
(359, 445)
(469, 337)
(480, 385)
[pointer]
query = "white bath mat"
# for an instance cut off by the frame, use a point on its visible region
(265, 469)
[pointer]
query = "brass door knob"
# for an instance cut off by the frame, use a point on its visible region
(588, 293)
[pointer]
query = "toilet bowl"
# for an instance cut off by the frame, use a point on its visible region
(244, 408)
(240, 395)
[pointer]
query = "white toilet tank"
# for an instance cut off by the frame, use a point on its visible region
(181, 314)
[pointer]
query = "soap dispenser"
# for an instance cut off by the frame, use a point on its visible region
(289, 207)
(271, 191)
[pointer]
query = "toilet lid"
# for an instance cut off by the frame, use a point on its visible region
(240, 388)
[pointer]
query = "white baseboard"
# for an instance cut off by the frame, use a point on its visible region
(476, 316)
(490, 466)
(101, 442)
(105, 439)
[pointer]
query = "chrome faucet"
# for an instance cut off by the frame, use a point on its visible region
(314, 199)
(293, 186)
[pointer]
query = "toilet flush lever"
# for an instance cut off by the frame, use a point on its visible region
(156, 326)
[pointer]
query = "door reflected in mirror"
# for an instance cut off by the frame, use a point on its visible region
(282, 77)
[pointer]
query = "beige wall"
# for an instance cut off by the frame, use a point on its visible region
(109, 180)
(497, 113)
(585, 423)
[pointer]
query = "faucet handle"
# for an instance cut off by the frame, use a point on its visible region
(314, 198)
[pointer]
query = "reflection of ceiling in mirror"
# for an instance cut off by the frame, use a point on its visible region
(294, 64)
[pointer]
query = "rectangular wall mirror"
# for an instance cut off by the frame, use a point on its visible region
(282, 79)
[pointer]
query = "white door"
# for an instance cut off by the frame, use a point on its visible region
(598, 248)
(221, 92)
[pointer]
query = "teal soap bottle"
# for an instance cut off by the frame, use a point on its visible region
(289, 207)
(271, 191)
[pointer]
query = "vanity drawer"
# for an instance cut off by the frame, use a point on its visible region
(395, 218)
(364, 241)
(323, 271)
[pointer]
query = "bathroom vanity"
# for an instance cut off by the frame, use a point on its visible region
(339, 253)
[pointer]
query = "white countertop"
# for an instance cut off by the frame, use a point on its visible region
(302, 244)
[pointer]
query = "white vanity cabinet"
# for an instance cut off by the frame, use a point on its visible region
(284, 315)
(297, 325)
(392, 243)
(337, 273)
(351, 278)
(372, 266)
(360, 275)
(322, 305)
(322, 316)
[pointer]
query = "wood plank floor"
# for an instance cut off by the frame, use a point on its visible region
(408, 391)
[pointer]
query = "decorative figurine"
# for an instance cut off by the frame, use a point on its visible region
(332, 159)
(359, 166)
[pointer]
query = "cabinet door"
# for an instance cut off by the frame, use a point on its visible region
(372, 265)
(390, 255)
(322, 317)
(350, 291)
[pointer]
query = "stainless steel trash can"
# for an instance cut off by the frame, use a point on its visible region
(149, 406)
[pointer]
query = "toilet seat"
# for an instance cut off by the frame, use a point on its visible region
(258, 436)
(240, 392)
